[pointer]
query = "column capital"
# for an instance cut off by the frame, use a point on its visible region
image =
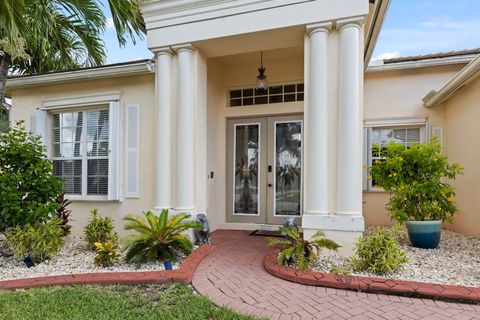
(319, 27)
(162, 51)
(355, 22)
(184, 47)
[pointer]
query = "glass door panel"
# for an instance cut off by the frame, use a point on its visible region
(246, 172)
(288, 169)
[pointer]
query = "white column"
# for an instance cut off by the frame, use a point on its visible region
(163, 132)
(185, 130)
(350, 113)
(316, 122)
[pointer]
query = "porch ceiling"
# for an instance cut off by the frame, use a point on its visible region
(253, 42)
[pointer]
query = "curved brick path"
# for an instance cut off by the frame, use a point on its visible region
(233, 275)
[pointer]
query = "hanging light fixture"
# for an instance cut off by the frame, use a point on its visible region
(262, 84)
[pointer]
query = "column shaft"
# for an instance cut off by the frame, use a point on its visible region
(185, 131)
(316, 124)
(349, 170)
(163, 125)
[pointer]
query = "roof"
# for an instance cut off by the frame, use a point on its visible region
(129, 68)
(85, 68)
(430, 56)
(465, 76)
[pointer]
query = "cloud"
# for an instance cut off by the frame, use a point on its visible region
(440, 33)
(387, 55)
(109, 23)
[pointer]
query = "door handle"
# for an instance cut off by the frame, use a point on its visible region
(269, 168)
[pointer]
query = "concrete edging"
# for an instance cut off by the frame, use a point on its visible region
(367, 284)
(182, 275)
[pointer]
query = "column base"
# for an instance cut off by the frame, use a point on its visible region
(343, 229)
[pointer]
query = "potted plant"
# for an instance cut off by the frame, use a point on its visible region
(416, 178)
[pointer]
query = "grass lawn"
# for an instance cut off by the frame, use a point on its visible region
(110, 302)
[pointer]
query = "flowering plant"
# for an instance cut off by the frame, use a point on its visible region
(415, 178)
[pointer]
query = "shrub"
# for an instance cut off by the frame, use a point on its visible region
(159, 237)
(107, 253)
(40, 241)
(99, 229)
(299, 251)
(63, 213)
(28, 188)
(380, 252)
(414, 177)
(340, 270)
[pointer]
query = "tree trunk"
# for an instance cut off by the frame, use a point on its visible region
(4, 67)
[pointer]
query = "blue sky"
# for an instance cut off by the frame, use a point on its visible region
(411, 27)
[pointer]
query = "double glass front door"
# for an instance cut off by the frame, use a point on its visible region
(264, 173)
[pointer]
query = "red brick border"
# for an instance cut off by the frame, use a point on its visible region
(366, 284)
(182, 275)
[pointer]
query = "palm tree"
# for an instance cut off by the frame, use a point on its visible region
(39, 36)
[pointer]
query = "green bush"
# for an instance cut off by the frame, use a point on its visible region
(415, 179)
(158, 237)
(380, 252)
(99, 229)
(299, 251)
(107, 253)
(28, 188)
(39, 241)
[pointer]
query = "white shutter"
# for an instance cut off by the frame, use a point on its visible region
(114, 137)
(132, 152)
(365, 151)
(38, 124)
(438, 132)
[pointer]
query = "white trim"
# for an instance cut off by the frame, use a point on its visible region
(82, 100)
(392, 122)
(466, 75)
(81, 74)
(114, 149)
(274, 198)
(258, 167)
(380, 67)
(373, 28)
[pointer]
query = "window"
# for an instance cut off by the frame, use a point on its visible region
(275, 94)
(80, 151)
(379, 137)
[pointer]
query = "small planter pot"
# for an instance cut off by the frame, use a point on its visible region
(28, 262)
(168, 265)
(424, 234)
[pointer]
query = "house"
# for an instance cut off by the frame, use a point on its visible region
(194, 130)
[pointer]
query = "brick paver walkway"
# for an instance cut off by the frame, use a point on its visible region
(233, 275)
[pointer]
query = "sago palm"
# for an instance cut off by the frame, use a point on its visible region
(299, 251)
(158, 237)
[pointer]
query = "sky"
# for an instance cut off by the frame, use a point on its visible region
(411, 27)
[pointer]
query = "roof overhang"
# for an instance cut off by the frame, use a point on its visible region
(106, 71)
(375, 19)
(465, 76)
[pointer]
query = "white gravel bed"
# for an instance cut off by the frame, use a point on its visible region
(74, 258)
(456, 262)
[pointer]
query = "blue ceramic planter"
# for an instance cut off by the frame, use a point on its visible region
(424, 234)
(167, 264)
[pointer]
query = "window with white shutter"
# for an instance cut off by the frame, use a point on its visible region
(377, 139)
(80, 151)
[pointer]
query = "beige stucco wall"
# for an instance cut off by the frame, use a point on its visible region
(461, 134)
(134, 89)
(398, 94)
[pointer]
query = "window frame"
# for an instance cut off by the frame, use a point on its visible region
(83, 146)
(399, 124)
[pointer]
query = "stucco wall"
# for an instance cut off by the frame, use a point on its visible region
(398, 94)
(462, 133)
(134, 89)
